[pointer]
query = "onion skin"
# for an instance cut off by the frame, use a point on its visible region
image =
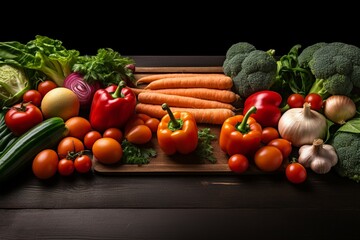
(339, 108)
(84, 90)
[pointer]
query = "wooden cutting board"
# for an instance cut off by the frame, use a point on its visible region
(176, 164)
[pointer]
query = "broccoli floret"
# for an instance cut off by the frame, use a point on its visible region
(251, 70)
(235, 55)
(347, 146)
(239, 48)
(307, 53)
(336, 67)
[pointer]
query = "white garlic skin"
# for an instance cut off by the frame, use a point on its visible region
(301, 126)
(319, 157)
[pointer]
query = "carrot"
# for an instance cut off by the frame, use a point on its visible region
(216, 81)
(138, 90)
(225, 96)
(153, 77)
(180, 101)
(209, 115)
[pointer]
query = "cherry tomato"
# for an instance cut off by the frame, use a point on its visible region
(66, 167)
(153, 124)
(33, 96)
(132, 123)
(139, 134)
(315, 100)
(82, 163)
(143, 116)
(78, 127)
(268, 134)
(238, 163)
(45, 86)
(295, 100)
(114, 133)
(107, 150)
(23, 116)
(283, 145)
(90, 138)
(45, 164)
(69, 145)
(296, 173)
(268, 158)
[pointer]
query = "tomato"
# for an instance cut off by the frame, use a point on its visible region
(153, 124)
(23, 116)
(32, 96)
(66, 167)
(45, 164)
(283, 145)
(114, 133)
(78, 127)
(107, 150)
(132, 123)
(295, 100)
(315, 100)
(143, 116)
(90, 138)
(238, 163)
(268, 158)
(69, 145)
(139, 134)
(45, 86)
(82, 163)
(268, 134)
(296, 173)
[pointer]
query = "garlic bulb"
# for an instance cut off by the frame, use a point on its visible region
(302, 125)
(319, 157)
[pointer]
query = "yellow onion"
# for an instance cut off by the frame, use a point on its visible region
(339, 108)
(302, 125)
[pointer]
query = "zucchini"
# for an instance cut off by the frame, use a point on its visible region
(22, 152)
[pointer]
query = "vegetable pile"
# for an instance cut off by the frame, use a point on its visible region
(61, 110)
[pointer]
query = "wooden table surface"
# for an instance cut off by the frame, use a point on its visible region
(166, 206)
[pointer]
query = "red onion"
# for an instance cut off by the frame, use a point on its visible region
(84, 90)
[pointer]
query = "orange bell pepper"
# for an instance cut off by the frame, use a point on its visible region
(240, 134)
(177, 132)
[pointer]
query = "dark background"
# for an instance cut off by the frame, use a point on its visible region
(133, 28)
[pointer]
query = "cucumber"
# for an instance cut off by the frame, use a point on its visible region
(5, 139)
(13, 139)
(22, 151)
(4, 130)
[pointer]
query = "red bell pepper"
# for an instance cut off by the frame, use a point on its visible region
(267, 103)
(112, 107)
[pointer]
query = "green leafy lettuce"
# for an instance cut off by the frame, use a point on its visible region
(42, 54)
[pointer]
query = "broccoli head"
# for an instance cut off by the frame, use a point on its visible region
(335, 66)
(307, 53)
(251, 70)
(235, 55)
(347, 146)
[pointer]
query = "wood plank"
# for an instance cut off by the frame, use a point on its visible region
(215, 69)
(328, 191)
(271, 223)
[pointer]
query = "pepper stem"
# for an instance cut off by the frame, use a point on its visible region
(243, 127)
(174, 123)
(118, 93)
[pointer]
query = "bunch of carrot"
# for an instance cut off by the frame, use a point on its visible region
(208, 96)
